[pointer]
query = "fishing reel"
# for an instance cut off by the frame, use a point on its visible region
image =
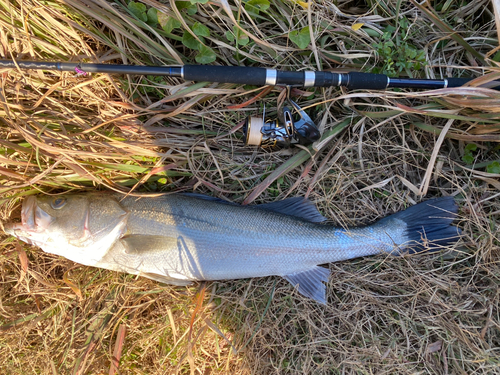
(283, 131)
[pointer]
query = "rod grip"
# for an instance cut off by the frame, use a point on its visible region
(226, 74)
(367, 81)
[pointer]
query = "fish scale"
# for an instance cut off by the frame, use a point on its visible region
(182, 238)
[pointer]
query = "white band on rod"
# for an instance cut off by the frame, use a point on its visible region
(271, 77)
(309, 79)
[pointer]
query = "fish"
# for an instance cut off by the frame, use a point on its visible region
(182, 238)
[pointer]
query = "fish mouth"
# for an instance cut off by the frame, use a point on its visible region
(33, 220)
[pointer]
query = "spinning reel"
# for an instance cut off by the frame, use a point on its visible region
(283, 131)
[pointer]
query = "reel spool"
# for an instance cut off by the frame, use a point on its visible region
(282, 132)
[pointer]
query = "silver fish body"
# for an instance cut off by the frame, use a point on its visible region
(183, 238)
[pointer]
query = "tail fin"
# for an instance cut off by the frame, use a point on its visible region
(428, 224)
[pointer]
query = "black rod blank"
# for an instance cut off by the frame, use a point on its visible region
(94, 68)
(249, 75)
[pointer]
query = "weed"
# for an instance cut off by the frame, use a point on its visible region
(397, 54)
(468, 156)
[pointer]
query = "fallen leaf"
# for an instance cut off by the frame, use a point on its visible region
(434, 347)
(72, 285)
(23, 258)
(357, 26)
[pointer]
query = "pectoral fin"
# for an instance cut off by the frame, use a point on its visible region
(144, 245)
(140, 244)
(310, 283)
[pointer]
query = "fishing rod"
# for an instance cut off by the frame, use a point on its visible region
(248, 75)
(281, 132)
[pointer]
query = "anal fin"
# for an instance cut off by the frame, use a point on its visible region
(310, 283)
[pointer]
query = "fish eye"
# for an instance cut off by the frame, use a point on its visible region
(58, 203)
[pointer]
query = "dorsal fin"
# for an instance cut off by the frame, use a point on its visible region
(298, 207)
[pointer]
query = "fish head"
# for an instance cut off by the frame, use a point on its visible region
(80, 227)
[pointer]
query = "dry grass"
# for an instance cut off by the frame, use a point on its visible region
(435, 314)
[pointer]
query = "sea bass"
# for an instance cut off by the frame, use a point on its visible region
(181, 238)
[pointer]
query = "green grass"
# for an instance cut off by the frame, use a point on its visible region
(433, 313)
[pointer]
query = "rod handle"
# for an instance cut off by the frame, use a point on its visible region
(226, 74)
(260, 76)
(367, 81)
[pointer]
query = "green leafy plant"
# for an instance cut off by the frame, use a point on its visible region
(493, 167)
(205, 54)
(152, 15)
(138, 10)
(254, 6)
(468, 157)
(201, 30)
(237, 36)
(301, 38)
(193, 39)
(190, 41)
(189, 7)
(396, 53)
(141, 12)
(168, 24)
